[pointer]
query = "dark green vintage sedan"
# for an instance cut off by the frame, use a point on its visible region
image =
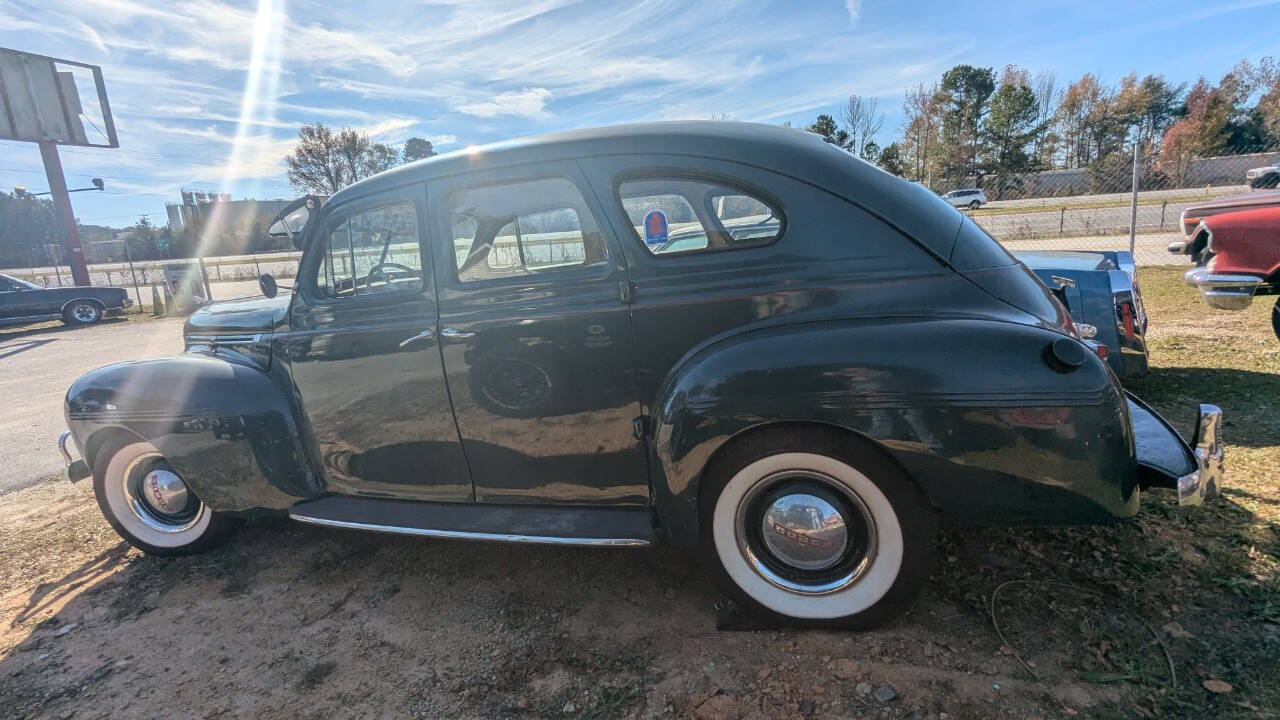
(730, 336)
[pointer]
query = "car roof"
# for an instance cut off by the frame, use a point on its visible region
(802, 155)
(1064, 260)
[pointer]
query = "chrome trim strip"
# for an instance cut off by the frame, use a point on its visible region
(223, 339)
(62, 446)
(464, 535)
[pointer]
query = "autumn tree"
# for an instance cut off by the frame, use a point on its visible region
(922, 126)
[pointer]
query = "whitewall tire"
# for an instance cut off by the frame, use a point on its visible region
(147, 502)
(815, 528)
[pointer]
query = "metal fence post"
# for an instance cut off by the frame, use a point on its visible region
(1163, 206)
(1133, 208)
(1062, 219)
(138, 293)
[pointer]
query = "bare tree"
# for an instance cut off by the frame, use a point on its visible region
(325, 161)
(861, 120)
(1048, 96)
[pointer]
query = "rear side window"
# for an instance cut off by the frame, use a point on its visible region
(672, 216)
(522, 228)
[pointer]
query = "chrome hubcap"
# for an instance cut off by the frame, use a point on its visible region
(165, 491)
(158, 496)
(85, 313)
(806, 532)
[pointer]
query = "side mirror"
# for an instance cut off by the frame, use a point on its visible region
(268, 285)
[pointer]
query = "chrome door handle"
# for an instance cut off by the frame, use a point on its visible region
(456, 334)
(424, 335)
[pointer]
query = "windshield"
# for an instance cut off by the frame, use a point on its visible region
(19, 283)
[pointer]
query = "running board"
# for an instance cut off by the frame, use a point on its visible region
(541, 524)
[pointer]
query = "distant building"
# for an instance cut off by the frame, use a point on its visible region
(231, 221)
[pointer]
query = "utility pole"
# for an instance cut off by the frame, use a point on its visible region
(62, 208)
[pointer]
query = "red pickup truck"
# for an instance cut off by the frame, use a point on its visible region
(1240, 259)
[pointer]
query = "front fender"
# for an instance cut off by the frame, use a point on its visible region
(968, 407)
(226, 427)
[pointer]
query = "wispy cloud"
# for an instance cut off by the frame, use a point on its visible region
(854, 10)
(527, 103)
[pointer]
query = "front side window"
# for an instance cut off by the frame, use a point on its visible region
(675, 215)
(370, 252)
(522, 228)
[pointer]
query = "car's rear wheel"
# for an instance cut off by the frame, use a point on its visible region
(82, 312)
(974, 205)
(817, 529)
(149, 504)
(1275, 318)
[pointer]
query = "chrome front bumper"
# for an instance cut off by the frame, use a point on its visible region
(1223, 291)
(73, 469)
(1206, 481)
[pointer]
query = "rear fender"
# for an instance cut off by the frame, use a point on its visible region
(226, 427)
(968, 407)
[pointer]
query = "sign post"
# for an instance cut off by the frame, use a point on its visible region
(62, 209)
(41, 103)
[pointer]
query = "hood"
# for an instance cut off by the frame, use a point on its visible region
(243, 315)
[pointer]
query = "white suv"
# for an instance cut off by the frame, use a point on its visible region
(973, 198)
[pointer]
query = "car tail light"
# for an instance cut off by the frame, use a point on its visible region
(1127, 318)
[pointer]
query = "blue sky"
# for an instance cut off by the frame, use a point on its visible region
(207, 94)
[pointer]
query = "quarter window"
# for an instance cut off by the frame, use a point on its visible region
(522, 228)
(674, 215)
(370, 252)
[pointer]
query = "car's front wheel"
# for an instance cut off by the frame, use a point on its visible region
(82, 312)
(149, 504)
(816, 529)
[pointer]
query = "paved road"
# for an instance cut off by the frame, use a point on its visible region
(37, 365)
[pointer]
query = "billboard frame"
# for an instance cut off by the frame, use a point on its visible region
(7, 104)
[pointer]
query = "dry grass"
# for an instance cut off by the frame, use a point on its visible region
(1121, 621)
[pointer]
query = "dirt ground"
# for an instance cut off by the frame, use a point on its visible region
(1174, 613)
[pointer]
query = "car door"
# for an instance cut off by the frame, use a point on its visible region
(536, 338)
(363, 354)
(19, 300)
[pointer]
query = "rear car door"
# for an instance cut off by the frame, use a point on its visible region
(363, 354)
(536, 338)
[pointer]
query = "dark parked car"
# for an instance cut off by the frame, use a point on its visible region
(1100, 289)
(22, 302)
(1264, 177)
(723, 335)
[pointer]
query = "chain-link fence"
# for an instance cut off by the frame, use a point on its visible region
(1092, 208)
(1089, 208)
